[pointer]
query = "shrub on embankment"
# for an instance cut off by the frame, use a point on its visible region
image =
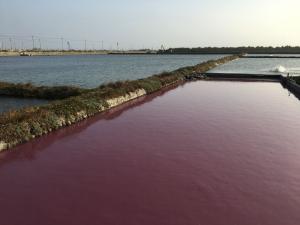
(30, 91)
(27, 123)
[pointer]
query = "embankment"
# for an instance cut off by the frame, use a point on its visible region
(297, 80)
(23, 125)
(292, 84)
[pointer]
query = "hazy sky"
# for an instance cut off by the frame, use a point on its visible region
(151, 23)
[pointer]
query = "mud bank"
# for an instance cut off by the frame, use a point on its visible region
(20, 126)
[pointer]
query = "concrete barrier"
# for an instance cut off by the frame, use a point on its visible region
(291, 85)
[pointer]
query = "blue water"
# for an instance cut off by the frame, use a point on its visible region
(261, 66)
(91, 70)
(85, 70)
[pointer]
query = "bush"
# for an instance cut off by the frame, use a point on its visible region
(30, 91)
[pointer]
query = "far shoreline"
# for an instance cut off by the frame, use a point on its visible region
(27, 53)
(248, 52)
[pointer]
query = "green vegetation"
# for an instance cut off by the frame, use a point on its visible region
(232, 50)
(31, 91)
(22, 125)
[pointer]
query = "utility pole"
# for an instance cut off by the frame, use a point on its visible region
(85, 45)
(62, 44)
(40, 44)
(102, 45)
(10, 41)
(32, 42)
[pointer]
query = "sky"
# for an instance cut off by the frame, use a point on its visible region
(138, 24)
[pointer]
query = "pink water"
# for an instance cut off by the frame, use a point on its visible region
(207, 153)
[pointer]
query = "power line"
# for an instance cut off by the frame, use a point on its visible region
(30, 42)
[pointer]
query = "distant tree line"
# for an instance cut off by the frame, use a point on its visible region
(233, 50)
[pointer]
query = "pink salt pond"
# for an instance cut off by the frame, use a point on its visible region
(211, 153)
